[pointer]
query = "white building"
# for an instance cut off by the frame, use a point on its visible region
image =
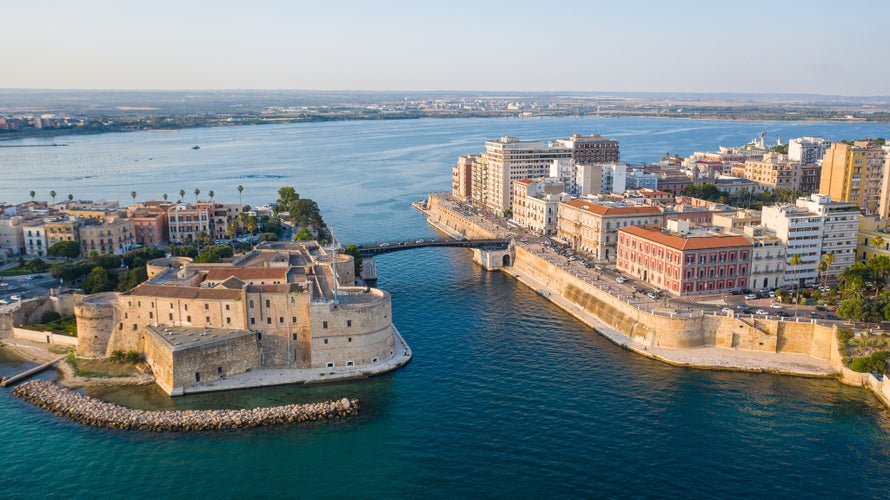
(535, 203)
(768, 258)
(811, 228)
(807, 149)
(34, 235)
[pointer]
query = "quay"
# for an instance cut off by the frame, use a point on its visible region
(692, 339)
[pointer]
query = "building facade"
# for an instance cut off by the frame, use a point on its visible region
(593, 227)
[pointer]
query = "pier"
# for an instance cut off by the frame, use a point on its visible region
(29, 373)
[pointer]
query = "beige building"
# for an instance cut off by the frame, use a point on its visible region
(62, 229)
(535, 204)
(187, 222)
(283, 306)
(843, 168)
(34, 237)
(592, 148)
(12, 243)
(768, 257)
(593, 227)
(107, 236)
(774, 171)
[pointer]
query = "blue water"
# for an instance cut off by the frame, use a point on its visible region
(506, 396)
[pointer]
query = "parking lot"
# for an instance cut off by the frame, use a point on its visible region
(14, 288)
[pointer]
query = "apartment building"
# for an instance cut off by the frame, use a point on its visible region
(107, 236)
(593, 227)
(592, 148)
(535, 204)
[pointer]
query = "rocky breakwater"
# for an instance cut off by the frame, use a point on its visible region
(90, 411)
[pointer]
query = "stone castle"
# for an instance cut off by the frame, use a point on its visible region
(288, 308)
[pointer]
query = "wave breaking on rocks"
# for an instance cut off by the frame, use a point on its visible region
(95, 412)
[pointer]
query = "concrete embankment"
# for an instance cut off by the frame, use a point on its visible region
(90, 411)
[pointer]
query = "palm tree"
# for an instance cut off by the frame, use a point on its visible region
(210, 194)
(240, 189)
(794, 262)
(828, 260)
(32, 193)
(164, 196)
(133, 195)
(181, 195)
(197, 192)
(70, 197)
(52, 194)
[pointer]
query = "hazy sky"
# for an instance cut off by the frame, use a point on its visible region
(815, 46)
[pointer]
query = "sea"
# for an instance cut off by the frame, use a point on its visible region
(507, 395)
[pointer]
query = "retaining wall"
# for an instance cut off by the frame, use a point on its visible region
(44, 337)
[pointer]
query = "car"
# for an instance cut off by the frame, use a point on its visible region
(726, 310)
(743, 307)
(815, 315)
(15, 297)
(651, 295)
(750, 296)
(32, 277)
(772, 295)
(598, 267)
(621, 279)
(821, 308)
(735, 292)
(775, 305)
(761, 312)
(384, 244)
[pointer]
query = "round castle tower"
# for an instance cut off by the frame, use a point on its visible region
(157, 266)
(96, 317)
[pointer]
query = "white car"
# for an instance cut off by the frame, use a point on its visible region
(775, 305)
(621, 279)
(750, 297)
(761, 311)
(726, 310)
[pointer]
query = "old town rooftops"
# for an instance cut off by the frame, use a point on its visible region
(616, 209)
(698, 241)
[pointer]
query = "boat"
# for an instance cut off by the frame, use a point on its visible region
(196, 147)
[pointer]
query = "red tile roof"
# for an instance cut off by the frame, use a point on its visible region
(688, 243)
(606, 210)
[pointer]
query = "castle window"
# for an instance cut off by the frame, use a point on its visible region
(126, 315)
(329, 364)
(228, 320)
(325, 341)
(151, 314)
(171, 316)
(281, 319)
(269, 320)
(348, 322)
(259, 335)
(324, 324)
(207, 319)
(197, 377)
(294, 335)
(251, 303)
(227, 307)
(120, 326)
(349, 339)
(135, 326)
(294, 319)
(252, 321)
(186, 307)
(350, 363)
(267, 303)
(188, 318)
(206, 306)
(373, 360)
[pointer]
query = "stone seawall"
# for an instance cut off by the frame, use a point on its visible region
(90, 411)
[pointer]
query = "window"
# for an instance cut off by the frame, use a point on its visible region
(281, 319)
(252, 321)
(325, 341)
(206, 306)
(171, 316)
(269, 320)
(188, 318)
(329, 364)
(349, 339)
(294, 336)
(227, 307)
(250, 302)
(348, 322)
(267, 303)
(324, 324)
(293, 319)
(350, 363)
(151, 314)
(228, 320)
(207, 319)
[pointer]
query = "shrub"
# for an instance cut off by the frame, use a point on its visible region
(50, 317)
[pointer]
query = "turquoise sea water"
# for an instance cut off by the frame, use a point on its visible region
(506, 396)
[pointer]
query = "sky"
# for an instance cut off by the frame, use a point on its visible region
(778, 46)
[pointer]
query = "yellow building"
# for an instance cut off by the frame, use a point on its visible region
(843, 170)
(873, 238)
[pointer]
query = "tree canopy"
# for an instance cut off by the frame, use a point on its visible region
(67, 249)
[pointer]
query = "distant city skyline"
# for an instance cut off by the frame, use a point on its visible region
(819, 47)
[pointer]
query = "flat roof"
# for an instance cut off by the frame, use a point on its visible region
(179, 338)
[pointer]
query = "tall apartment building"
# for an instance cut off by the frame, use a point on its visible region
(685, 261)
(593, 227)
(150, 221)
(872, 176)
(884, 204)
(767, 258)
(843, 168)
(807, 149)
(592, 148)
(811, 228)
(462, 177)
(506, 160)
(535, 204)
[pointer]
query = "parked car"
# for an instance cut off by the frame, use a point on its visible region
(775, 305)
(621, 279)
(762, 312)
(651, 295)
(726, 310)
(750, 296)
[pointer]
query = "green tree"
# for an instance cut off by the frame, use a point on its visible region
(133, 195)
(164, 196)
(269, 237)
(99, 280)
(211, 194)
(240, 189)
(197, 192)
(181, 195)
(138, 257)
(70, 197)
(38, 266)
(352, 249)
(33, 193)
(105, 260)
(68, 249)
(303, 235)
(131, 279)
(52, 194)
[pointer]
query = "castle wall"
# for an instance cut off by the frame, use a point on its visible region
(360, 333)
(283, 319)
(456, 222)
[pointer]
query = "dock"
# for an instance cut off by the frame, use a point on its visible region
(29, 373)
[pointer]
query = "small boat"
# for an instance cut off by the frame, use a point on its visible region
(196, 147)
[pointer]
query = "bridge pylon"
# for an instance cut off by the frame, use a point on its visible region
(369, 268)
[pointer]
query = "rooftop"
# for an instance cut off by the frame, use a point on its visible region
(699, 241)
(183, 337)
